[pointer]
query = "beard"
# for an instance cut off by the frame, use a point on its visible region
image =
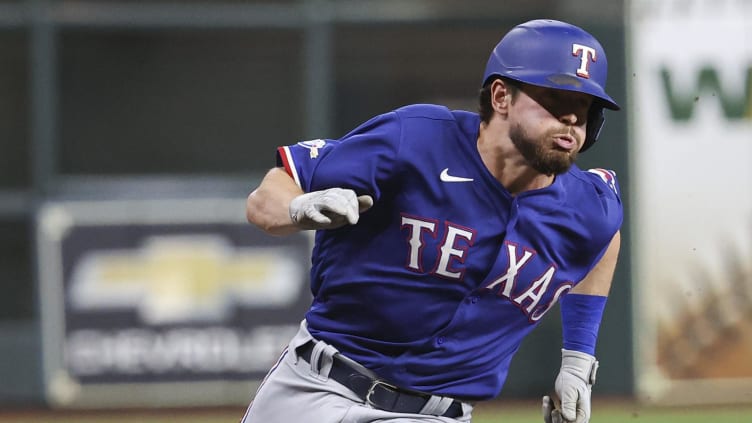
(540, 154)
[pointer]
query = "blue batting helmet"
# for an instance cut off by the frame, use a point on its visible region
(555, 54)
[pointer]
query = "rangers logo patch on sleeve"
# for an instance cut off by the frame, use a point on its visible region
(608, 176)
(314, 146)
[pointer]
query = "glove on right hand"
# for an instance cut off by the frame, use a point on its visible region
(328, 209)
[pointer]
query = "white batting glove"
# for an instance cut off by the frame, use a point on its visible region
(328, 209)
(574, 383)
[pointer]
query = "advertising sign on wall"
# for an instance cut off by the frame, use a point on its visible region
(691, 115)
(164, 302)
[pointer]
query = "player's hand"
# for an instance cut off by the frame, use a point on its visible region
(328, 209)
(574, 383)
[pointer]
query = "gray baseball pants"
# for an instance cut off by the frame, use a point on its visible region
(298, 391)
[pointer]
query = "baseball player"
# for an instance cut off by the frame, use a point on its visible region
(442, 239)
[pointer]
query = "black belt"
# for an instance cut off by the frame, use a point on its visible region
(377, 392)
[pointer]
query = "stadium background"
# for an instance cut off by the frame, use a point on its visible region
(146, 101)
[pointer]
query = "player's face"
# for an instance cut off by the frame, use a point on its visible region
(549, 126)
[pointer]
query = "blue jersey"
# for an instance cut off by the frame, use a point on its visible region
(438, 283)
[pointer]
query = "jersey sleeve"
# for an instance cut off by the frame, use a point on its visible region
(363, 160)
(611, 212)
(605, 178)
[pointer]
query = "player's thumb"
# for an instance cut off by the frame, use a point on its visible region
(364, 203)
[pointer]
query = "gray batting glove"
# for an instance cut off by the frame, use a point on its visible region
(328, 209)
(574, 383)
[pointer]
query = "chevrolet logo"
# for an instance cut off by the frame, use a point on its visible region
(182, 278)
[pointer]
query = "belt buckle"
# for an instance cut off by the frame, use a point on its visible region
(372, 388)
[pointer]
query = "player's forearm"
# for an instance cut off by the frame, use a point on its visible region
(582, 309)
(268, 206)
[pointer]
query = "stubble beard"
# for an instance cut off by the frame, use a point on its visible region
(539, 153)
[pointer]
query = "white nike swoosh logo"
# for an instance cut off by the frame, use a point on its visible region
(446, 177)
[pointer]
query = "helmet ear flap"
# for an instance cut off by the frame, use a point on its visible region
(595, 122)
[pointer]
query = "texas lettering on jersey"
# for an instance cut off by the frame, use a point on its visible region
(452, 253)
(508, 284)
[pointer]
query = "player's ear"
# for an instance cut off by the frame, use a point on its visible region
(501, 96)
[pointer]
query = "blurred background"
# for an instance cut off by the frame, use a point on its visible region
(132, 131)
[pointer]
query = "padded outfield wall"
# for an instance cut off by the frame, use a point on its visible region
(690, 78)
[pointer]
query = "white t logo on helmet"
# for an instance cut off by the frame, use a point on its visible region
(586, 54)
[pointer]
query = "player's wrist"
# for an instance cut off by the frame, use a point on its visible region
(297, 208)
(581, 317)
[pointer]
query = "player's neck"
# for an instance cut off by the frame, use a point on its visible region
(518, 179)
(507, 164)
